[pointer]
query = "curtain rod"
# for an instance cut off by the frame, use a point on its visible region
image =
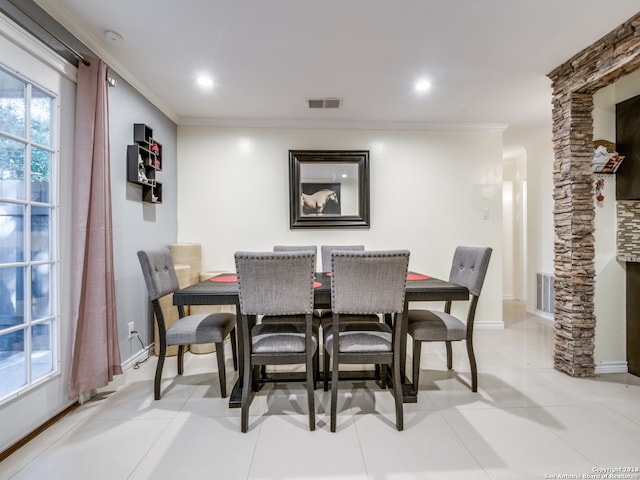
(72, 50)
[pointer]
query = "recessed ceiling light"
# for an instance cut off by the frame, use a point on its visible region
(423, 85)
(205, 81)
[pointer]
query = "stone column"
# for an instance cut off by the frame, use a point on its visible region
(574, 215)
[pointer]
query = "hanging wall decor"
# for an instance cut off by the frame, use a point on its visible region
(329, 188)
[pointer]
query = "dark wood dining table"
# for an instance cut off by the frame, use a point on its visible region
(222, 289)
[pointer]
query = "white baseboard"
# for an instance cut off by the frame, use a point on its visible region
(611, 367)
(141, 356)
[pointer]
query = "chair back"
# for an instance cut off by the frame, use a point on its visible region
(276, 283)
(469, 267)
(327, 249)
(159, 272)
(295, 248)
(365, 282)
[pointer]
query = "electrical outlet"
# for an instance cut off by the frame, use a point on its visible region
(131, 329)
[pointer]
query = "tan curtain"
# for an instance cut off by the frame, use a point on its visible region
(96, 356)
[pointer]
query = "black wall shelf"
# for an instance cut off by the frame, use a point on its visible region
(144, 160)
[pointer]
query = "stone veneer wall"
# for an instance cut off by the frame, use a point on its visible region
(574, 84)
(628, 231)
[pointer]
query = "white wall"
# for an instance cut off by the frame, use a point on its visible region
(508, 240)
(514, 227)
(610, 287)
(538, 156)
(541, 231)
(428, 192)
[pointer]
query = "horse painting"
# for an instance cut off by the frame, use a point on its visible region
(317, 201)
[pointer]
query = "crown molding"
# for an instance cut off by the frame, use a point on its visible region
(338, 124)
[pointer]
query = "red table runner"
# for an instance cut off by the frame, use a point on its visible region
(410, 276)
(225, 278)
(417, 276)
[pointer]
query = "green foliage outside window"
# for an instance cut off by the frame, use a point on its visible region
(13, 129)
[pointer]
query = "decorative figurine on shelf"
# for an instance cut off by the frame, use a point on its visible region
(599, 188)
(605, 158)
(155, 148)
(142, 176)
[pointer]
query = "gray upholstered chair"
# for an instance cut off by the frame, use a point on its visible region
(469, 269)
(325, 314)
(299, 318)
(326, 250)
(371, 282)
(276, 284)
(161, 279)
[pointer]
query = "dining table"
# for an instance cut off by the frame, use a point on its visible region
(222, 289)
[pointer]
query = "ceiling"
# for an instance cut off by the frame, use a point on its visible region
(487, 60)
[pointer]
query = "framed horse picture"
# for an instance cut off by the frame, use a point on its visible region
(329, 188)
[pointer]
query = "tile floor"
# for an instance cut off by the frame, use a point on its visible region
(528, 421)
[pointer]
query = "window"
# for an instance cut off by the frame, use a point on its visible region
(28, 318)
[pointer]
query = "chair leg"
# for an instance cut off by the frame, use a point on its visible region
(449, 356)
(222, 374)
(397, 394)
(234, 347)
(474, 368)
(334, 393)
(180, 359)
(326, 370)
(383, 376)
(316, 368)
(417, 351)
(158, 378)
(311, 386)
(246, 393)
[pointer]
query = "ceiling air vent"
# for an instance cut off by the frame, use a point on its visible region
(324, 102)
